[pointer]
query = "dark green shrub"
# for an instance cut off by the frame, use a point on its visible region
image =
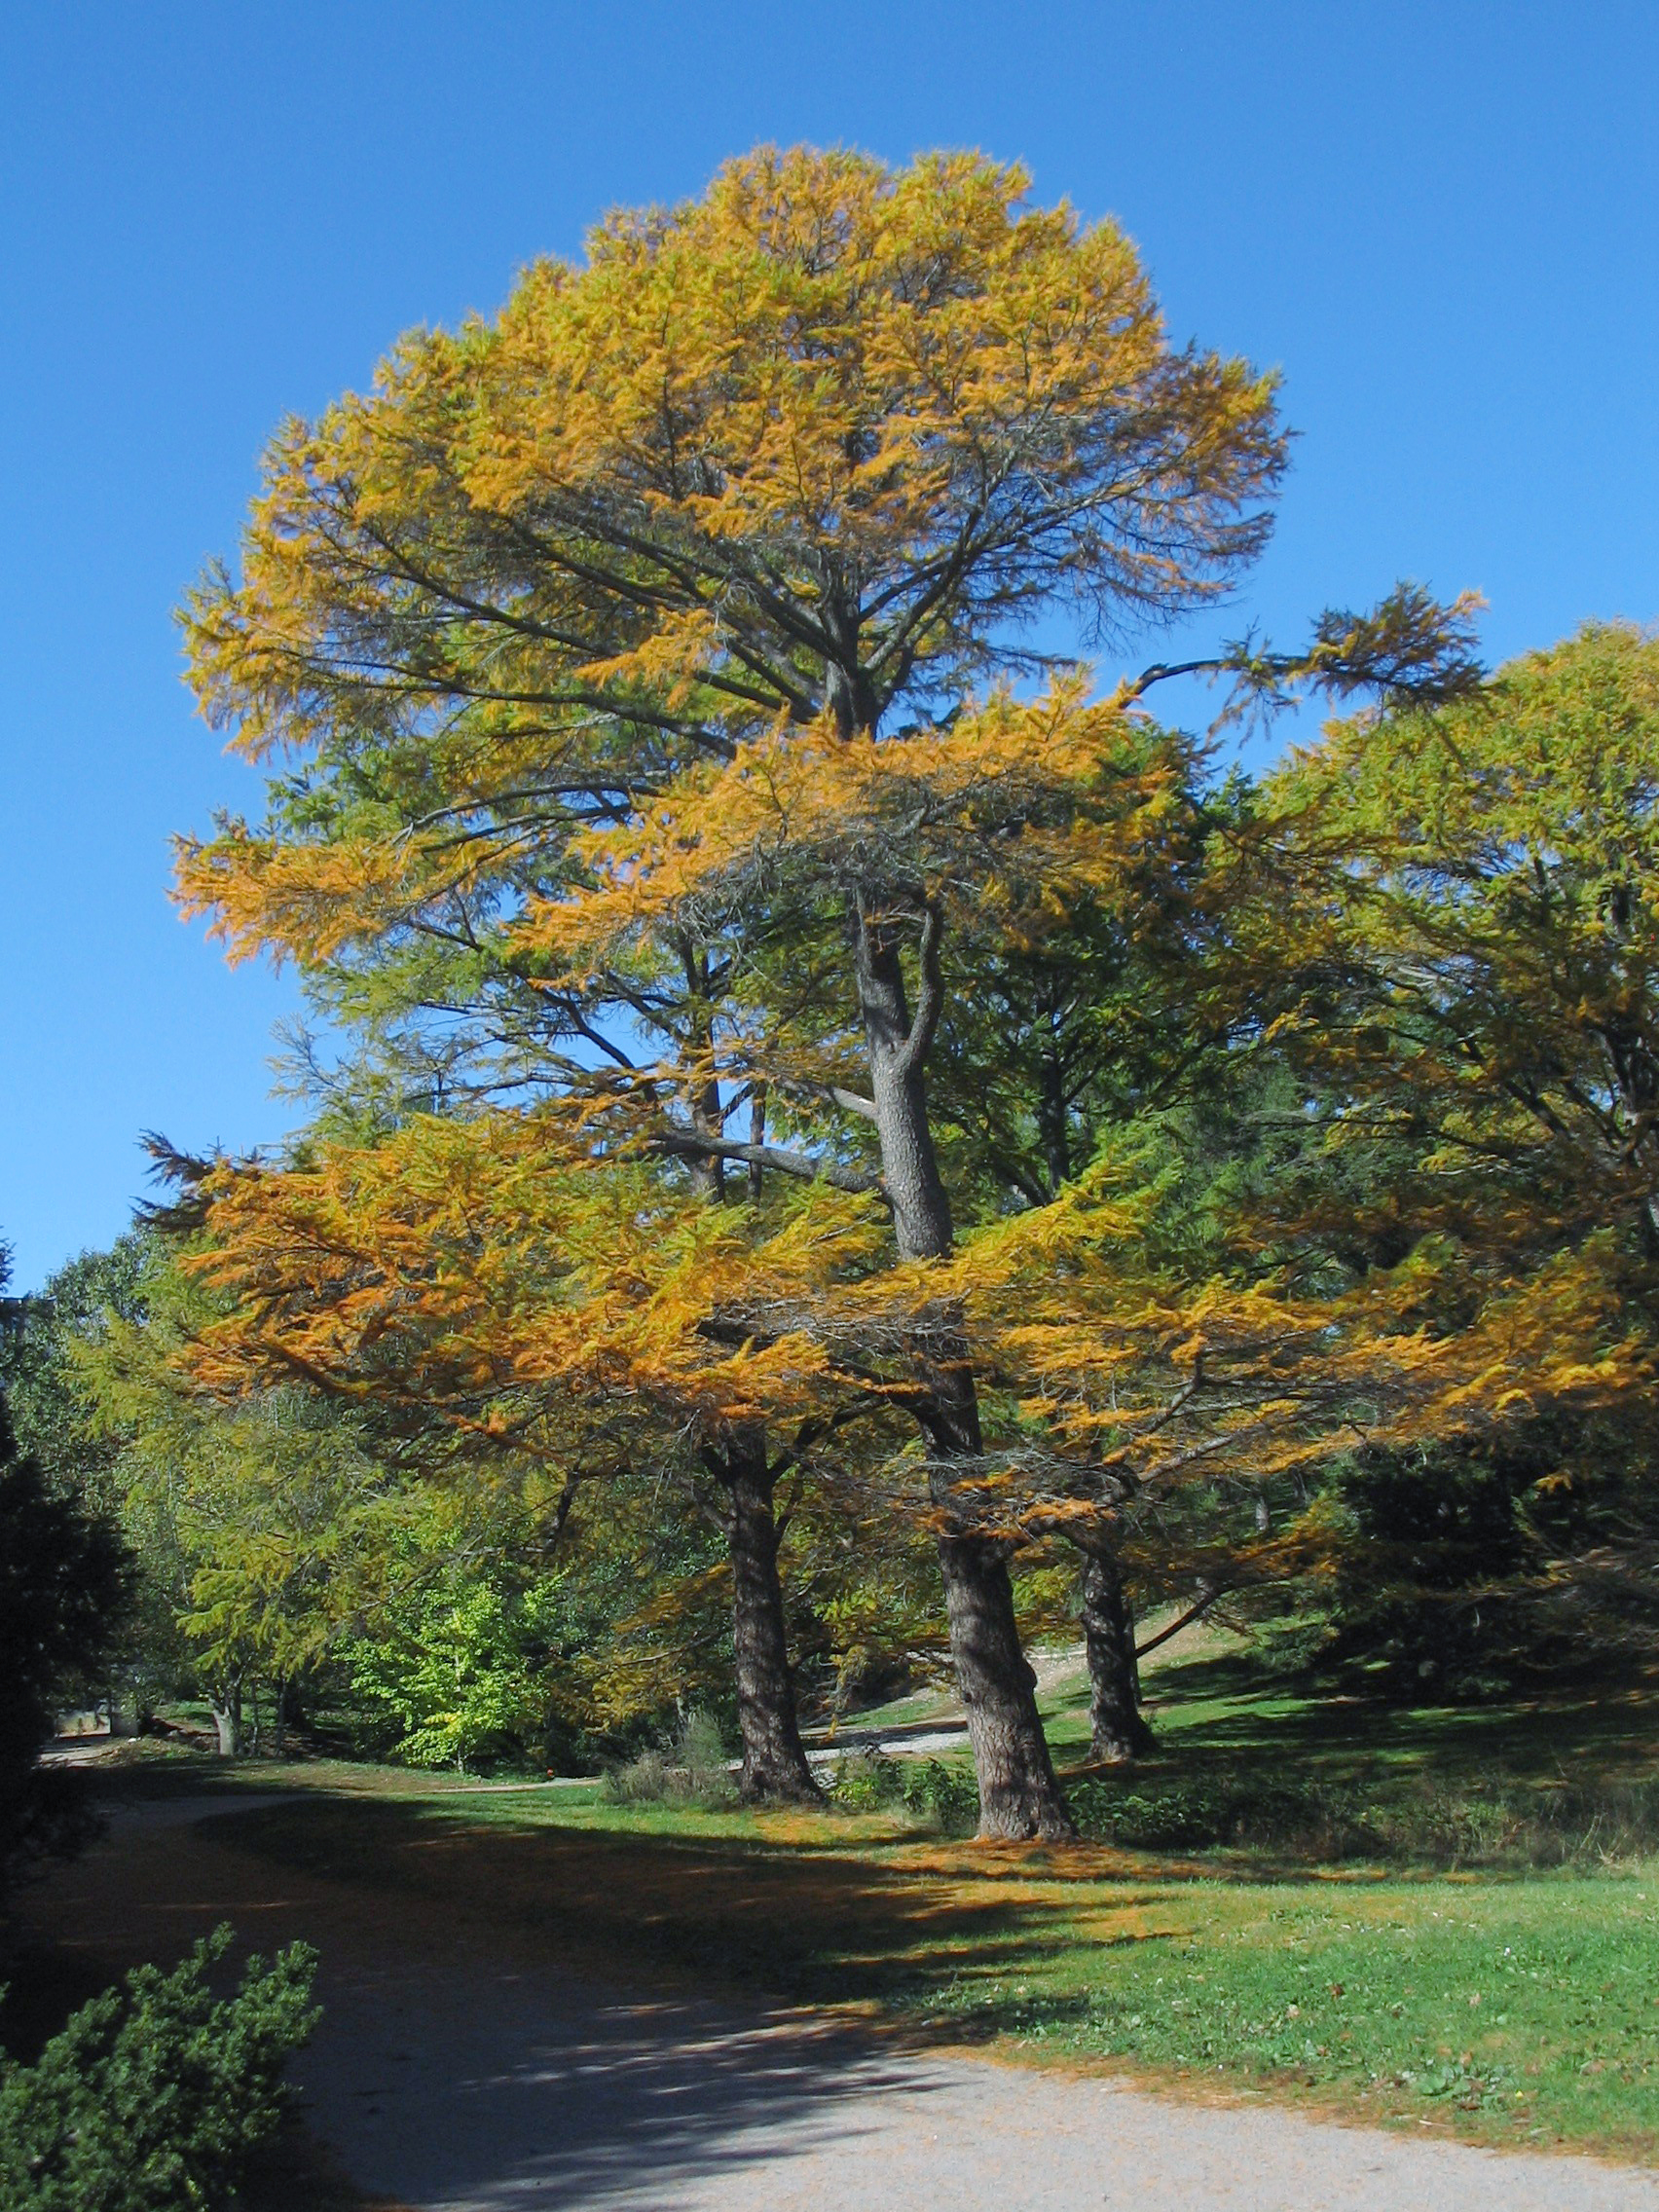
(1481, 1820)
(63, 1583)
(946, 1798)
(156, 2098)
(1223, 1808)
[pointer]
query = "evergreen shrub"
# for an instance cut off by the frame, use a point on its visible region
(157, 2096)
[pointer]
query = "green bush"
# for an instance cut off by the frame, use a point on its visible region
(156, 2098)
(1482, 1819)
(1307, 1816)
(688, 1769)
(944, 1797)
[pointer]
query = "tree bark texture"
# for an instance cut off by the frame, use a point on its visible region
(1019, 1795)
(1118, 1728)
(897, 1043)
(775, 1765)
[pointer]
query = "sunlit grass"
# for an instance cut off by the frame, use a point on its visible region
(1507, 2004)
(1438, 1974)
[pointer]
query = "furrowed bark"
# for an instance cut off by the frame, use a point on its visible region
(1118, 1728)
(776, 1769)
(1018, 1794)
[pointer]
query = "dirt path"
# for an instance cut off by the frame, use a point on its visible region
(461, 2071)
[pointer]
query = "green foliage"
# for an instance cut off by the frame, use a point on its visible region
(942, 1798)
(687, 1768)
(1418, 1604)
(247, 1517)
(37, 1364)
(1313, 1819)
(461, 1662)
(1242, 1808)
(63, 1583)
(159, 2097)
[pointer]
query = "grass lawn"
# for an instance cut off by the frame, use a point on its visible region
(1506, 2004)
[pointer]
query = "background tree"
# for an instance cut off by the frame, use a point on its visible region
(1450, 1137)
(63, 1586)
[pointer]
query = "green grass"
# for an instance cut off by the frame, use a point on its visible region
(1507, 2002)
(1527, 2009)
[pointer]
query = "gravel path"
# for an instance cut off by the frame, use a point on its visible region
(457, 2074)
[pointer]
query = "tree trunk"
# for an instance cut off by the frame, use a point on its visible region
(1118, 1729)
(775, 1765)
(1018, 1794)
(776, 1769)
(227, 1710)
(1051, 1120)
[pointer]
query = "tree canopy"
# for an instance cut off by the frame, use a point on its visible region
(672, 774)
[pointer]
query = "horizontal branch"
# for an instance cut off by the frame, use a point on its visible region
(687, 1144)
(853, 1102)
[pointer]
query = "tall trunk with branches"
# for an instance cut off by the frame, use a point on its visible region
(1018, 1794)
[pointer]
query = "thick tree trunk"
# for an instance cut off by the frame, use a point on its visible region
(1118, 1729)
(1018, 1794)
(776, 1769)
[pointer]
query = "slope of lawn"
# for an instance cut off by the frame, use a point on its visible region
(1442, 1976)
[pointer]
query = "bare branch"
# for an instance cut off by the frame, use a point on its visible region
(689, 1144)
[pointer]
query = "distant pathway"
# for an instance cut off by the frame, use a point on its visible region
(461, 2070)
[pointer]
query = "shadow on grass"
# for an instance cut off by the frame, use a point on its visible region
(1222, 1708)
(809, 1920)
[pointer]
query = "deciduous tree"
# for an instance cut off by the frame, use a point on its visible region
(641, 653)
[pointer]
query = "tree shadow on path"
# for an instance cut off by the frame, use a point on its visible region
(476, 2051)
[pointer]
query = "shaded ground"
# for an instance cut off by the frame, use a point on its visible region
(475, 2059)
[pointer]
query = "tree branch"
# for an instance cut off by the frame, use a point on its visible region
(1192, 1613)
(852, 1102)
(930, 993)
(689, 1144)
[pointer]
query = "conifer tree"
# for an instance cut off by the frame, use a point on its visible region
(639, 652)
(1471, 890)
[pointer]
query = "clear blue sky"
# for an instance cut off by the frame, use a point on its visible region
(1437, 216)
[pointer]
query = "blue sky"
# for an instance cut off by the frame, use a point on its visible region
(1437, 217)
